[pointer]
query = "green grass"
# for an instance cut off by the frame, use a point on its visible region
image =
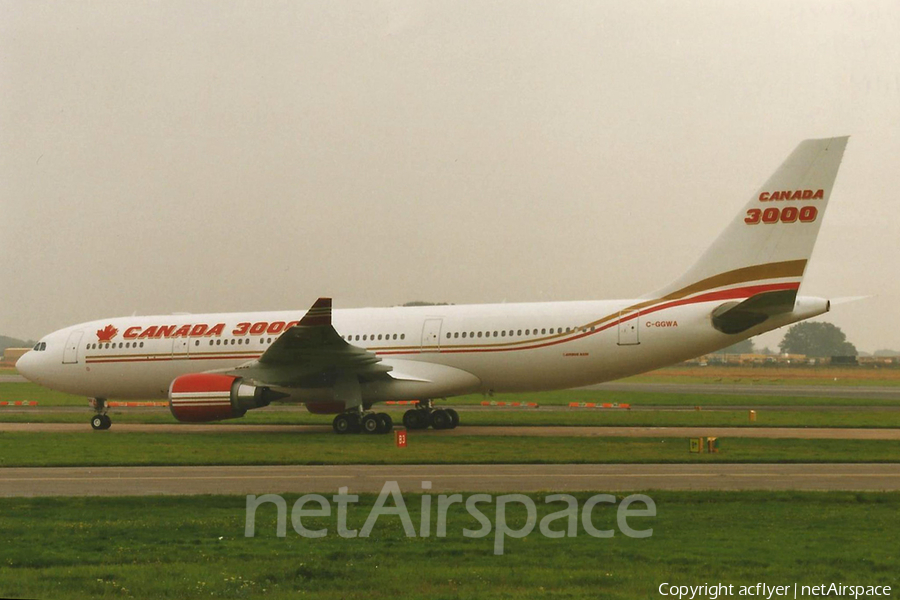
(12, 392)
(194, 547)
(239, 448)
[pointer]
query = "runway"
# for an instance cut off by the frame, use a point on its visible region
(143, 481)
(811, 433)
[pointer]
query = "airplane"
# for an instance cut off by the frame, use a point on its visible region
(212, 367)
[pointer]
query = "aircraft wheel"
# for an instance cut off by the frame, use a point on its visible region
(414, 419)
(454, 417)
(440, 419)
(386, 422)
(424, 418)
(98, 423)
(342, 424)
(371, 424)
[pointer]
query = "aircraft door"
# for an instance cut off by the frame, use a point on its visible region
(70, 353)
(629, 331)
(431, 335)
(180, 348)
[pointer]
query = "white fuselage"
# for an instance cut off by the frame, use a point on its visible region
(503, 347)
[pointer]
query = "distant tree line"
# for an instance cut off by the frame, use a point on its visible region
(424, 303)
(9, 342)
(817, 340)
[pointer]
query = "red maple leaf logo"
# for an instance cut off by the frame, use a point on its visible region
(107, 333)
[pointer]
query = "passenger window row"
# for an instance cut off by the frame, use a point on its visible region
(372, 337)
(516, 332)
(217, 342)
(234, 341)
(114, 345)
(474, 334)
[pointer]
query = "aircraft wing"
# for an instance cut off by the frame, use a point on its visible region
(311, 354)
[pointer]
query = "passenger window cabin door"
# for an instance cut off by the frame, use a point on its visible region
(629, 332)
(431, 335)
(180, 348)
(70, 353)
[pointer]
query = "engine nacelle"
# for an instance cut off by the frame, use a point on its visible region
(201, 397)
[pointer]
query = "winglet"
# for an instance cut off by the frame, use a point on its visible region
(318, 315)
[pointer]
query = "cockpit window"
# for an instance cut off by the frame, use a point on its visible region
(40, 347)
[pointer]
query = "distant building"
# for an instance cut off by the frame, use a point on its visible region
(11, 355)
(879, 360)
(748, 359)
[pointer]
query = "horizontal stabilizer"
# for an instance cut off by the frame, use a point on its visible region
(736, 317)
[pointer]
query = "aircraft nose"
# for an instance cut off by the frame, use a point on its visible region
(26, 365)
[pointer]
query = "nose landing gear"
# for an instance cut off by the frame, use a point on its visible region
(100, 421)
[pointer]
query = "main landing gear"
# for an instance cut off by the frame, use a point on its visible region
(425, 416)
(101, 420)
(354, 422)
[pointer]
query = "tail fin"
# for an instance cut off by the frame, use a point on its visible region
(770, 241)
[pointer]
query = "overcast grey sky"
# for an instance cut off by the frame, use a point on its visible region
(160, 157)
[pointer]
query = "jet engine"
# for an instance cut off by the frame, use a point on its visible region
(201, 397)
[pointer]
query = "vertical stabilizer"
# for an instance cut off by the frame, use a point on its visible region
(772, 237)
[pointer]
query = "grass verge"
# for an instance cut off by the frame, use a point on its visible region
(103, 449)
(194, 547)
